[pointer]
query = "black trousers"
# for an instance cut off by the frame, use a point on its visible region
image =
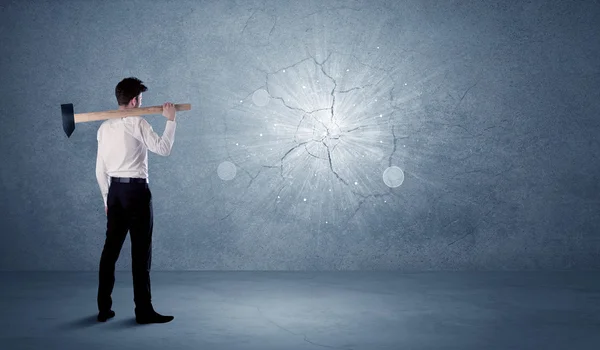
(129, 209)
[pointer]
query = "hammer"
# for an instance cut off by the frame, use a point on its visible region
(69, 118)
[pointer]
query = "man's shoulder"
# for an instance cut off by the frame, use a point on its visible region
(124, 120)
(114, 121)
(138, 121)
(134, 119)
(102, 126)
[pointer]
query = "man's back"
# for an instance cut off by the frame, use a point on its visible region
(122, 149)
(123, 146)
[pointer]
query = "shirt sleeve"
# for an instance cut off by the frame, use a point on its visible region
(160, 145)
(101, 174)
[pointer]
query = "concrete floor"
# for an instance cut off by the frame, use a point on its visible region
(297, 310)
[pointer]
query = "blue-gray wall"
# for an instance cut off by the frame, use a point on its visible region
(489, 109)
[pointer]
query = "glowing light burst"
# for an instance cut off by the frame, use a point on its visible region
(315, 140)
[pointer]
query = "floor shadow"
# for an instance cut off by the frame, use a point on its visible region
(126, 323)
(80, 323)
(89, 321)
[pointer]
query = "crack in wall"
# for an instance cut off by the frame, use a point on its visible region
(332, 134)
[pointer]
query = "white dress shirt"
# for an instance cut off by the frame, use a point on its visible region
(123, 145)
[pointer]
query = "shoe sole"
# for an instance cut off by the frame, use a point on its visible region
(154, 322)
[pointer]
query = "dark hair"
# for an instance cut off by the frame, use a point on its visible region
(129, 88)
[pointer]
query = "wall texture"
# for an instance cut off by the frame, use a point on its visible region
(410, 135)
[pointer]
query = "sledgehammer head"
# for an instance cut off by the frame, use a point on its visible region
(68, 118)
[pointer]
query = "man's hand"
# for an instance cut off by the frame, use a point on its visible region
(169, 111)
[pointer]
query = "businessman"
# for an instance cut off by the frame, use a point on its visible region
(122, 174)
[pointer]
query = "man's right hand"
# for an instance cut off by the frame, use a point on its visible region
(169, 111)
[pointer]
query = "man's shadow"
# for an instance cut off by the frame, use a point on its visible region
(91, 321)
(124, 323)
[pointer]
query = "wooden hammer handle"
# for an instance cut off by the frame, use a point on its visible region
(120, 113)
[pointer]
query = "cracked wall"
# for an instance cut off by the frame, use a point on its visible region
(323, 135)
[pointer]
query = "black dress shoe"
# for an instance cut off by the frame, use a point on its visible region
(152, 317)
(105, 315)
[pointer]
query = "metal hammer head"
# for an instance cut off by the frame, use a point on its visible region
(68, 118)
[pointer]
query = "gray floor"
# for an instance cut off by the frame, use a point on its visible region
(336, 310)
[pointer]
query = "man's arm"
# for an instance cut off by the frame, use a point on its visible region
(101, 174)
(160, 145)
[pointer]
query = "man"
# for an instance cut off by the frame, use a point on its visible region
(122, 174)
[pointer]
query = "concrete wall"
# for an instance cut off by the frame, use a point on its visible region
(486, 115)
